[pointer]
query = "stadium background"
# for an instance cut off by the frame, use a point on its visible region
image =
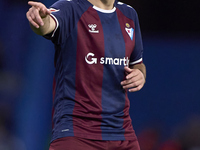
(165, 113)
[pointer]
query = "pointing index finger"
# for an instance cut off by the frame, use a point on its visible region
(38, 5)
(33, 3)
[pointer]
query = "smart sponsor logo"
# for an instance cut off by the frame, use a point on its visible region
(91, 59)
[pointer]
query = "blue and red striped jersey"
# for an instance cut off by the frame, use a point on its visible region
(92, 46)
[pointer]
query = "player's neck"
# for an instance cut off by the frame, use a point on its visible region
(103, 4)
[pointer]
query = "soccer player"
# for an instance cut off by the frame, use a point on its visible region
(98, 59)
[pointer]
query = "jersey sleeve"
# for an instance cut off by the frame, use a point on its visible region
(61, 12)
(137, 54)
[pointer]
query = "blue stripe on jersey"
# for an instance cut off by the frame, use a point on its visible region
(113, 97)
(63, 112)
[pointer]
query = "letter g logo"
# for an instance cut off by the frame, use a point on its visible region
(92, 61)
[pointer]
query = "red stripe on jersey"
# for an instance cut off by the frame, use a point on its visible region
(87, 110)
(54, 92)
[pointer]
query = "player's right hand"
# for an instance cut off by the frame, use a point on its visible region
(36, 13)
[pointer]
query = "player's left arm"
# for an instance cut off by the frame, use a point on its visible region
(135, 78)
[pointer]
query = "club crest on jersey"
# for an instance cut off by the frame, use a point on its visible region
(54, 10)
(129, 30)
(93, 28)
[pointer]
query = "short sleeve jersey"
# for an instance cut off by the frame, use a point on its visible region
(92, 46)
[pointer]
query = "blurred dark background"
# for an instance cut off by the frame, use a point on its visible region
(165, 113)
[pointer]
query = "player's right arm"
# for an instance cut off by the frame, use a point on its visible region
(39, 18)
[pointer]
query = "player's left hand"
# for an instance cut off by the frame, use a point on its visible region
(134, 80)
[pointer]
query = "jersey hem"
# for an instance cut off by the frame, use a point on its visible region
(86, 136)
(57, 24)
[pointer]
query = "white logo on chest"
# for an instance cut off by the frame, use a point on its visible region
(93, 28)
(90, 59)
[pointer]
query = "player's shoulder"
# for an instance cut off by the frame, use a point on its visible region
(125, 8)
(65, 3)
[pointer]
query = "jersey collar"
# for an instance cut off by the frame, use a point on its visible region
(105, 11)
